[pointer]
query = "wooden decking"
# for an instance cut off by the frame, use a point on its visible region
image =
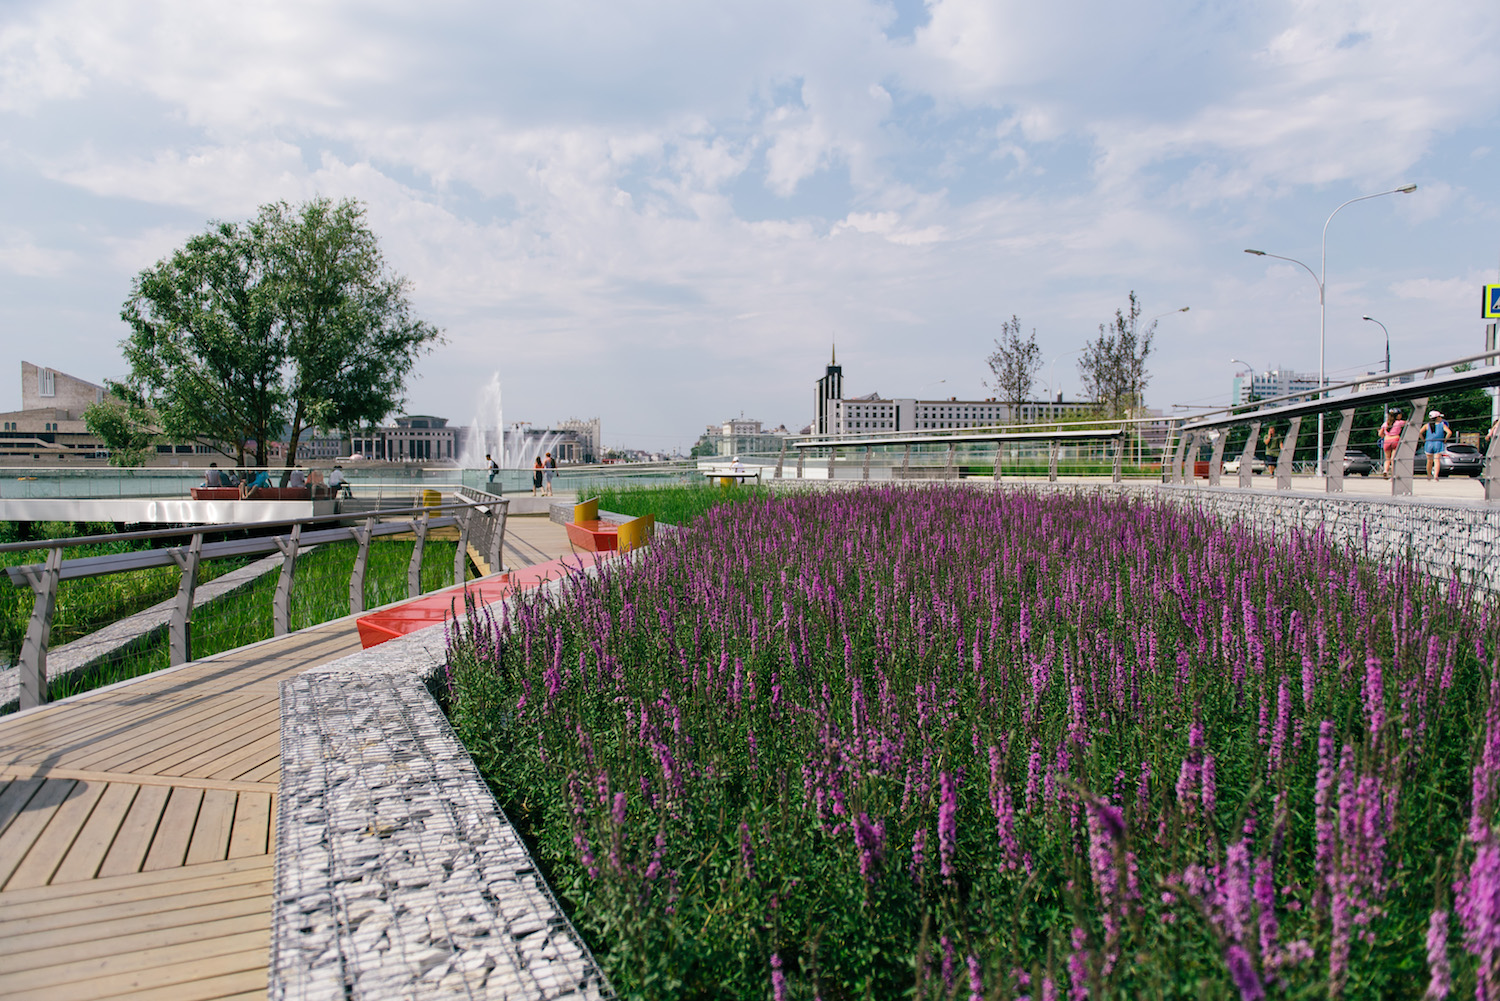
(137, 823)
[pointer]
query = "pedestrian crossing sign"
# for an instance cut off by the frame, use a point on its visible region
(1490, 308)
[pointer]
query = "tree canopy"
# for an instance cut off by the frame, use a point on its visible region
(1013, 365)
(276, 326)
(1113, 366)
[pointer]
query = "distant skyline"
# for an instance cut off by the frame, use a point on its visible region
(663, 213)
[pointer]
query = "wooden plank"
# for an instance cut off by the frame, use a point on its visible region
(189, 759)
(244, 758)
(106, 932)
(169, 847)
(252, 826)
(57, 837)
(89, 848)
(249, 985)
(22, 832)
(134, 838)
(136, 778)
(74, 907)
(61, 946)
(148, 734)
(130, 727)
(268, 773)
(103, 976)
(210, 841)
(15, 797)
(109, 716)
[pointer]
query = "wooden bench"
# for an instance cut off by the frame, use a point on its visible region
(262, 493)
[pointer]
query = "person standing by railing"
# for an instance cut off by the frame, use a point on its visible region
(536, 476)
(547, 469)
(1435, 433)
(1390, 437)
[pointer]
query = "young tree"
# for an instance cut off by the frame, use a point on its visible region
(122, 422)
(273, 327)
(1113, 367)
(1014, 365)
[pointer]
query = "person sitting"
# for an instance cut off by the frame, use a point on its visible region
(337, 482)
(737, 466)
(297, 479)
(212, 477)
(253, 483)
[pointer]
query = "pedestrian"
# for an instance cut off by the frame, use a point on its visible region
(547, 468)
(1435, 438)
(1390, 437)
(494, 467)
(536, 476)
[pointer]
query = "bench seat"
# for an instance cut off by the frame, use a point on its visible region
(594, 536)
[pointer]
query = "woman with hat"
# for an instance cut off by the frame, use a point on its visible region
(1435, 437)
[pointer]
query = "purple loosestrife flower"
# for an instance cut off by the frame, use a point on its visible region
(950, 959)
(1374, 697)
(1441, 983)
(947, 823)
(976, 978)
(1323, 815)
(1478, 907)
(1210, 788)
(1078, 966)
(778, 978)
(918, 853)
(1242, 972)
(747, 851)
(870, 839)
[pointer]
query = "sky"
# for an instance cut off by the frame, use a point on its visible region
(664, 213)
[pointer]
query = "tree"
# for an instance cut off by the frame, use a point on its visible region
(1014, 365)
(122, 422)
(1113, 367)
(274, 327)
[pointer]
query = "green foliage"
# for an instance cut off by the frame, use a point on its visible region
(279, 325)
(676, 505)
(1013, 365)
(1113, 366)
(123, 423)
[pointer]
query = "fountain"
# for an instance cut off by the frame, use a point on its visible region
(484, 437)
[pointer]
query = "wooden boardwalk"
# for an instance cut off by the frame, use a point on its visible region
(137, 823)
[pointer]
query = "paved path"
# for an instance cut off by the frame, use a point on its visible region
(137, 822)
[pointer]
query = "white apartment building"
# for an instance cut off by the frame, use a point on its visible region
(1272, 383)
(873, 415)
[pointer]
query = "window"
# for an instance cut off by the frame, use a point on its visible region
(46, 382)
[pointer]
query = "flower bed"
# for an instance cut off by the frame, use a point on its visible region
(943, 742)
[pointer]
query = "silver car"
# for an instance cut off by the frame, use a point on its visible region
(1455, 460)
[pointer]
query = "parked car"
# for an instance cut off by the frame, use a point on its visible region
(1355, 462)
(1455, 460)
(1232, 466)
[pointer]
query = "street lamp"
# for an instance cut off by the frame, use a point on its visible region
(1169, 312)
(1322, 280)
(1387, 360)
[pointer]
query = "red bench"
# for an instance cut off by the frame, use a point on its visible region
(594, 536)
(262, 493)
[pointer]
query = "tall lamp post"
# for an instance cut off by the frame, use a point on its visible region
(1322, 280)
(1372, 319)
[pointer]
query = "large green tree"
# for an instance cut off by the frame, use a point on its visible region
(278, 326)
(1013, 365)
(1113, 366)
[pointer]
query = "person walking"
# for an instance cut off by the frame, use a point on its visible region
(1390, 437)
(494, 467)
(547, 468)
(1435, 437)
(536, 476)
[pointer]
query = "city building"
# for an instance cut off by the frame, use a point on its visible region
(1272, 383)
(415, 438)
(49, 428)
(830, 390)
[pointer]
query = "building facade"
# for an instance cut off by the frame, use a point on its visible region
(830, 390)
(1272, 383)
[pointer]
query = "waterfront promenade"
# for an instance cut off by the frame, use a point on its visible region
(137, 822)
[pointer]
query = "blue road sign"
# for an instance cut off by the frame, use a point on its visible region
(1490, 308)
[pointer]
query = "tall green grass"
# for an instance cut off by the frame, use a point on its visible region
(677, 505)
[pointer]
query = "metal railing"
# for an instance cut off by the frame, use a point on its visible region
(1214, 427)
(480, 520)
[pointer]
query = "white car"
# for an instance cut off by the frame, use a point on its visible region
(1232, 466)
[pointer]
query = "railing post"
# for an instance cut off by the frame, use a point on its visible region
(833, 458)
(780, 459)
(905, 463)
(866, 474)
(1288, 449)
(948, 469)
(361, 562)
(499, 512)
(801, 457)
(1175, 476)
(1492, 469)
(180, 629)
(414, 568)
(1052, 461)
(1247, 457)
(461, 554)
(1217, 461)
(999, 448)
(1333, 483)
(281, 607)
(1119, 473)
(33, 667)
(1406, 450)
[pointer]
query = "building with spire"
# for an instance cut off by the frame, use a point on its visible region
(830, 392)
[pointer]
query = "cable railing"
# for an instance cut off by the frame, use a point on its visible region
(282, 548)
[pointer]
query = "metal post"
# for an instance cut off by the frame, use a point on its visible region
(497, 540)
(1406, 450)
(801, 457)
(33, 667)
(1334, 482)
(999, 448)
(180, 629)
(906, 463)
(781, 459)
(361, 561)
(948, 469)
(1216, 463)
(1119, 473)
(1288, 449)
(461, 554)
(414, 568)
(1247, 457)
(1491, 468)
(1175, 476)
(1052, 461)
(833, 458)
(281, 606)
(866, 474)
